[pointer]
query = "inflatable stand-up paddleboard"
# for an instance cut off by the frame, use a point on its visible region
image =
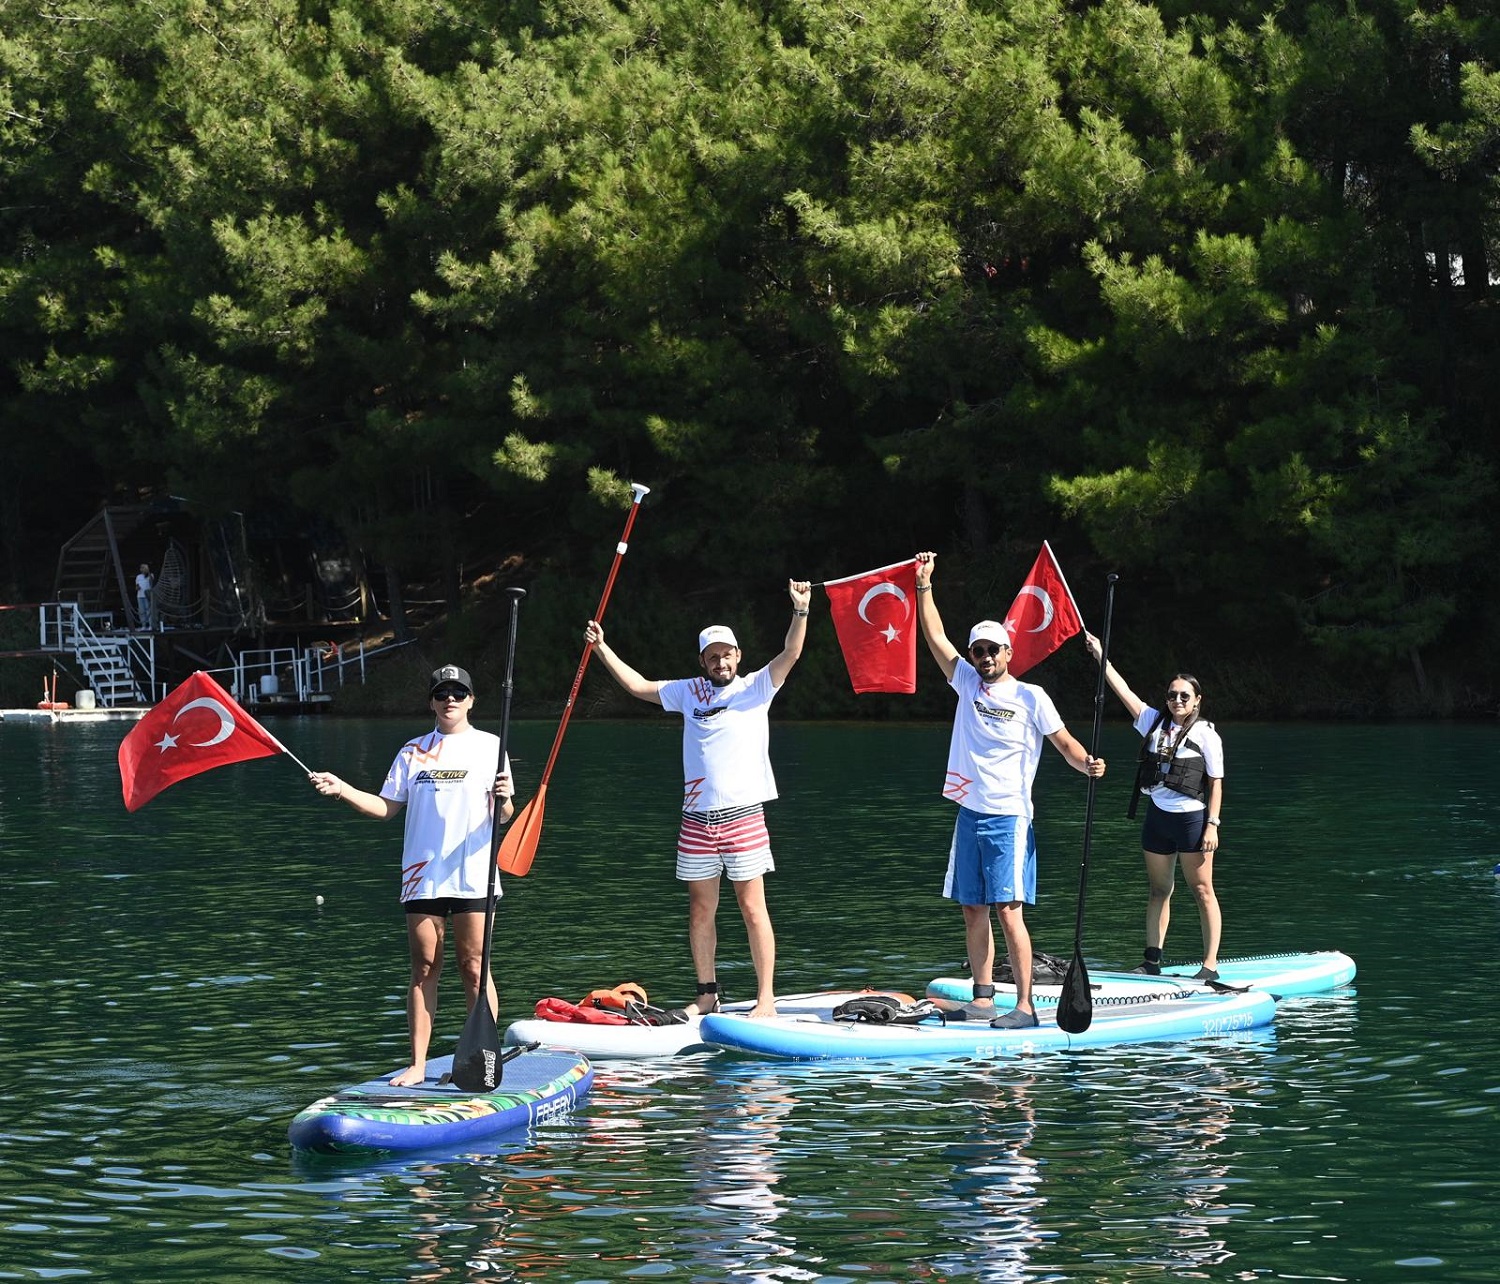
(373, 1116)
(1284, 975)
(1174, 1014)
(642, 1042)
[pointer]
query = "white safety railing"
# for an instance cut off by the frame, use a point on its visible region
(120, 666)
(302, 674)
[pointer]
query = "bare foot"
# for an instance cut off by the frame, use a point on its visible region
(767, 1009)
(410, 1077)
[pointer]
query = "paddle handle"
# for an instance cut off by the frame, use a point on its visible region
(507, 691)
(1088, 810)
(638, 493)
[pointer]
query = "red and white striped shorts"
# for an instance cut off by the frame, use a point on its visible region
(732, 840)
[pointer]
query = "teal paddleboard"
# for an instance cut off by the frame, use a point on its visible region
(1284, 975)
(1173, 1014)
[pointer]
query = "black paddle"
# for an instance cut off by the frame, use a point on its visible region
(478, 1059)
(1075, 1006)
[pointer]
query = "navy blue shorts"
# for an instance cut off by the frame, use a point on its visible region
(1169, 832)
(443, 906)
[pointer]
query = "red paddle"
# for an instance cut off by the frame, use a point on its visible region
(519, 848)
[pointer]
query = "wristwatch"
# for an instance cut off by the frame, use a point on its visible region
(1213, 820)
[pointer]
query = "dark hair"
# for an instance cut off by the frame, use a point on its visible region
(1187, 677)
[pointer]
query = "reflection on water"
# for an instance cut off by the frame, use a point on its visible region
(175, 994)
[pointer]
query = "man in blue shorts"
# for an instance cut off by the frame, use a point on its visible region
(726, 779)
(993, 755)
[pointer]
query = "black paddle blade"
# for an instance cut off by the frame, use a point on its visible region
(1075, 1005)
(478, 1059)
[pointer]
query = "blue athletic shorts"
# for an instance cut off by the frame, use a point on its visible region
(1168, 832)
(992, 860)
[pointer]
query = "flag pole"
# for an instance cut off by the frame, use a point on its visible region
(1057, 566)
(879, 570)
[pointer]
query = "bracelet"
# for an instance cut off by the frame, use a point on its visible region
(1213, 820)
(924, 588)
(801, 615)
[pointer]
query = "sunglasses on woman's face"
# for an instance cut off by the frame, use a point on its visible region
(450, 693)
(1174, 696)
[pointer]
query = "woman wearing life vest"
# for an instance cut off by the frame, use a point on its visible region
(1181, 773)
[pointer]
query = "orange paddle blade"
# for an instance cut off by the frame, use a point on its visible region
(518, 848)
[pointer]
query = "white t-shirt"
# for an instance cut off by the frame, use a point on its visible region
(997, 740)
(445, 782)
(726, 739)
(143, 584)
(1201, 734)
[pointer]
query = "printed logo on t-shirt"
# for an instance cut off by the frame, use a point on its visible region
(995, 715)
(703, 715)
(432, 777)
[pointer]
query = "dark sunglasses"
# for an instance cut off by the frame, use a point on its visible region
(977, 649)
(1174, 696)
(451, 693)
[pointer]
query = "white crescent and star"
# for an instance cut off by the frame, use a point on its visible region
(226, 725)
(1047, 611)
(890, 632)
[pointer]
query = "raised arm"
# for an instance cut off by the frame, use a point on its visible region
(1132, 702)
(796, 633)
(641, 688)
(943, 651)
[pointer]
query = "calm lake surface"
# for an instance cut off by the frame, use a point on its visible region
(173, 994)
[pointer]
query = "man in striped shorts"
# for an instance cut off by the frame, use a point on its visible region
(727, 779)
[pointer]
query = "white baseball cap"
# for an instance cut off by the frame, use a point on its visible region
(716, 633)
(989, 631)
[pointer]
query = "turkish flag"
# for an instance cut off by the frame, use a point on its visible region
(196, 728)
(875, 617)
(1043, 616)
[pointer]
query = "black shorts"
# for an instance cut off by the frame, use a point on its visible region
(1170, 832)
(443, 906)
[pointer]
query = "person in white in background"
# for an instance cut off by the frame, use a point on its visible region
(727, 777)
(144, 583)
(454, 788)
(993, 756)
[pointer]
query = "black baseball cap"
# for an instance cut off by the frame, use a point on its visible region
(450, 673)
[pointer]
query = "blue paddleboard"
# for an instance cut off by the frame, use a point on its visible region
(1284, 975)
(373, 1116)
(1174, 1014)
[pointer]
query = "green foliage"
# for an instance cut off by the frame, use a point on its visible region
(1172, 284)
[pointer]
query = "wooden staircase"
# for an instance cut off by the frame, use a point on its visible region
(89, 570)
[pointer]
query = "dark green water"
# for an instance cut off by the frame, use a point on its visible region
(173, 994)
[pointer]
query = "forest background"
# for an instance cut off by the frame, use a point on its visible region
(1204, 293)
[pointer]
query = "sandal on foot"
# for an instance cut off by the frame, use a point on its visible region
(1015, 1019)
(972, 1012)
(975, 1011)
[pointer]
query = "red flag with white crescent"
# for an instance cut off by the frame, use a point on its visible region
(198, 727)
(1043, 616)
(875, 617)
